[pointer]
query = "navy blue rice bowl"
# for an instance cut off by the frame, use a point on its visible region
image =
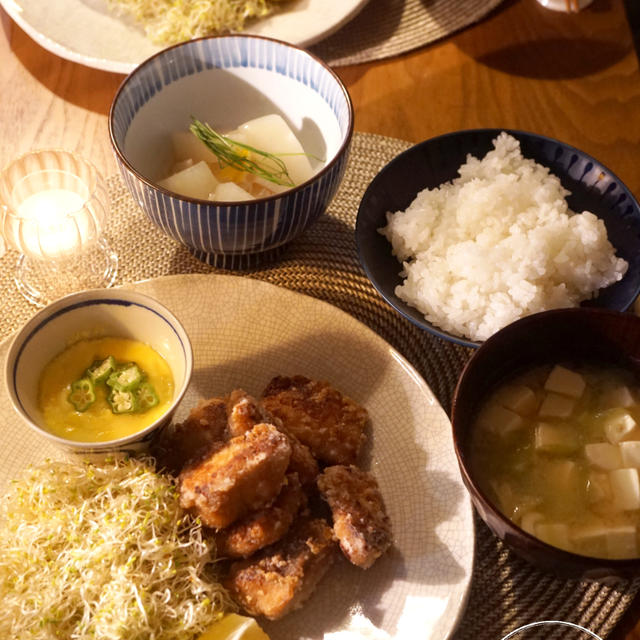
(430, 163)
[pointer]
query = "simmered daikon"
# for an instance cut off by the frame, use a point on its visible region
(260, 158)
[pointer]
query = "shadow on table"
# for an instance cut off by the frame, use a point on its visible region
(555, 58)
(566, 45)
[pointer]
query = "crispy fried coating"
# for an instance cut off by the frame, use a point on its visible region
(203, 430)
(302, 462)
(283, 576)
(318, 415)
(360, 520)
(265, 526)
(245, 474)
(245, 412)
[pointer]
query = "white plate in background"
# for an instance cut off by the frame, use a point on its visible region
(85, 31)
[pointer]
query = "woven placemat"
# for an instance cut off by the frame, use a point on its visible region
(386, 28)
(506, 592)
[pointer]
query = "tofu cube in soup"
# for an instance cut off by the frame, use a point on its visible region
(553, 533)
(630, 453)
(530, 520)
(565, 382)
(500, 421)
(625, 487)
(562, 477)
(620, 426)
(622, 541)
(590, 538)
(562, 487)
(619, 541)
(603, 455)
(555, 405)
(518, 398)
(556, 438)
(619, 396)
(598, 486)
(503, 493)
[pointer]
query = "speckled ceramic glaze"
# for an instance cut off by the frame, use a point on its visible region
(243, 333)
(430, 163)
(94, 314)
(585, 335)
(226, 81)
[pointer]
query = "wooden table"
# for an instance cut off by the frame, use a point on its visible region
(572, 77)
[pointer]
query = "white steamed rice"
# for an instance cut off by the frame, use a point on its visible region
(498, 243)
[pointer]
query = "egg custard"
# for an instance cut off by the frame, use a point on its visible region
(78, 406)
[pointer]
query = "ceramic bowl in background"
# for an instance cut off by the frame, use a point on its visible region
(93, 314)
(226, 81)
(430, 163)
(581, 335)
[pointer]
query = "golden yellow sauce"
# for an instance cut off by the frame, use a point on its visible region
(98, 423)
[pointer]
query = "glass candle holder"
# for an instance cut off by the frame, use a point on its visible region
(53, 208)
(568, 6)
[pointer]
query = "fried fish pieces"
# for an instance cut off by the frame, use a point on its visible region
(283, 576)
(265, 526)
(360, 520)
(204, 429)
(243, 475)
(245, 412)
(321, 417)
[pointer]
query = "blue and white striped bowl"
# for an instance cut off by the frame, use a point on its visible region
(225, 81)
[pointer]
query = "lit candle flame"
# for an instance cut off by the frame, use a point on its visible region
(48, 230)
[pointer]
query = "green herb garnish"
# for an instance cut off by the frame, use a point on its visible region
(234, 154)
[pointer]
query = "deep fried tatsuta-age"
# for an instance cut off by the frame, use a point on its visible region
(360, 520)
(281, 577)
(321, 417)
(245, 474)
(202, 431)
(245, 412)
(302, 461)
(265, 526)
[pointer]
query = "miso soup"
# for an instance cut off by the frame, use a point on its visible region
(558, 450)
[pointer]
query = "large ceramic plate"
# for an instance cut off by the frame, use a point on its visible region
(244, 332)
(85, 31)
